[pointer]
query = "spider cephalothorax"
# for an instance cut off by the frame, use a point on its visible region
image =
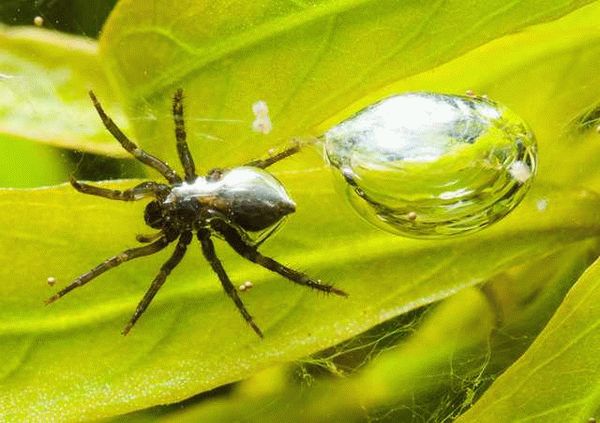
(228, 202)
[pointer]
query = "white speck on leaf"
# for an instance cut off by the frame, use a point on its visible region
(541, 204)
(262, 123)
(246, 286)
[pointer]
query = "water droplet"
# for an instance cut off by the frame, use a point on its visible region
(429, 165)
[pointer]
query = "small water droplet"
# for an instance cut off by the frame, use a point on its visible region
(429, 165)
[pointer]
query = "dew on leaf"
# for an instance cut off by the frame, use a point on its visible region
(429, 165)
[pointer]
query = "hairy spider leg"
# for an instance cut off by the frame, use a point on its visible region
(264, 163)
(208, 249)
(180, 135)
(114, 261)
(132, 148)
(145, 238)
(249, 252)
(136, 193)
(159, 280)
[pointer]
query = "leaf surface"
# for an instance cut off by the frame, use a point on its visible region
(28, 164)
(192, 338)
(557, 379)
(306, 59)
(295, 55)
(454, 345)
(543, 74)
(44, 80)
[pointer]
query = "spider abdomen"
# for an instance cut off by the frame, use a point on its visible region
(249, 197)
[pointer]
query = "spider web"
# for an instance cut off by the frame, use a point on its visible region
(459, 384)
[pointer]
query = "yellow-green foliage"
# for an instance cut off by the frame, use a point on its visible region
(314, 62)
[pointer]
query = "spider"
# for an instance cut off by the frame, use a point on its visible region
(229, 203)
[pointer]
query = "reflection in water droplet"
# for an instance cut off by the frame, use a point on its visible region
(431, 165)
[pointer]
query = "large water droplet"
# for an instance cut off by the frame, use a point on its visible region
(429, 165)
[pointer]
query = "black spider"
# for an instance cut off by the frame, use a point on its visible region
(226, 202)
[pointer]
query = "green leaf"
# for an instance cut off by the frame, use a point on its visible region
(305, 62)
(192, 338)
(401, 373)
(557, 378)
(542, 73)
(526, 297)
(458, 344)
(44, 80)
(27, 164)
(306, 59)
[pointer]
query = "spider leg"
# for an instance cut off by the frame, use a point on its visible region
(114, 261)
(136, 193)
(249, 252)
(264, 163)
(146, 238)
(160, 279)
(182, 147)
(208, 249)
(132, 148)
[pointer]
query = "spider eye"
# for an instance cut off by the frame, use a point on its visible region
(153, 215)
